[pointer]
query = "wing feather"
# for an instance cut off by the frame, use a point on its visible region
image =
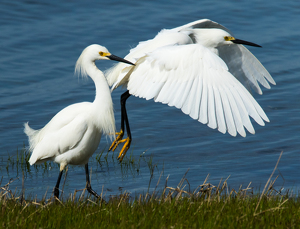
(199, 84)
(245, 67)
(228, 113)
(203, 104)
(187, 91)
(219, 109)
(212, 122)
(202, 23)
(236, 114)
(197, 81)
(211, 85)
(243, 111)
(195, 102)
(59, 141)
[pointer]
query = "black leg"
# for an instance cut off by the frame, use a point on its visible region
(124, 117)
(124, 124)
(56, 190)
(88, 183)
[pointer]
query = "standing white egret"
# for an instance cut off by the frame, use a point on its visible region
(199, 68)
(74, 133)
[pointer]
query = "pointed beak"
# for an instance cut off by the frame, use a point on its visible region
(116, 58)
(241, 42)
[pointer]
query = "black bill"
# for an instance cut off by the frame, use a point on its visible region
(238, 41)
(116, 58)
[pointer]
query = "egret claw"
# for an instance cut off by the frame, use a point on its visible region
(124, 149)
(116, 142)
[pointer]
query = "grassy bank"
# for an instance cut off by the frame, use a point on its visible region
(208, 206)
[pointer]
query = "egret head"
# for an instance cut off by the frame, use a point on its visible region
(213, 38)
(92, 53)
(97, 52)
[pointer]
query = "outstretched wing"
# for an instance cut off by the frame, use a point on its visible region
(245, 67)
(242, 64)
(115, 76)
(201, 24)
(197, 81)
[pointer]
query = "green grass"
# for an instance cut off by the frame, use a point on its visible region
(208, 206)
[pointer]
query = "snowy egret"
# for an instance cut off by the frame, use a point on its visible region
(74, 133)
(200, 68)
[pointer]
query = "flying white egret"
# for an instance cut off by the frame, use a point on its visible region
(74, 133)
(200, 68)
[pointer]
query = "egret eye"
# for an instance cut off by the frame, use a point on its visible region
(228, 38)
(104, 54)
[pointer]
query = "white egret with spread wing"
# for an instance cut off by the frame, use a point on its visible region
(200, 68)
(74, 133)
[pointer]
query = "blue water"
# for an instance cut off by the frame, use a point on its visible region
(40, 42)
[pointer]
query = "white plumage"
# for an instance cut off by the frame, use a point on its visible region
(201, 69)
(74, 133)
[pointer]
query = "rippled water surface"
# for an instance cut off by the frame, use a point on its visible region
(41, 41)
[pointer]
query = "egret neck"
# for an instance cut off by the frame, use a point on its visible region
(102, 106)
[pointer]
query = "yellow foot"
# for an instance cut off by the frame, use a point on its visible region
(125, 148)
(116, 142)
